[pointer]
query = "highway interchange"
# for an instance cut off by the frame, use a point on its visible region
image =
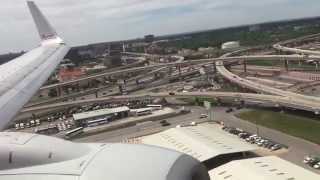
(272, 95)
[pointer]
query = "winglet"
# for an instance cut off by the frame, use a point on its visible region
(45, 30)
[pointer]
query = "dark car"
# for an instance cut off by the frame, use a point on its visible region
(172, 93)
(229, 110)
(164, 123)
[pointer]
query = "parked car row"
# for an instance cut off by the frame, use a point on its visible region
(66, 125)
(312, 161)
(31, 123)
(253, 138)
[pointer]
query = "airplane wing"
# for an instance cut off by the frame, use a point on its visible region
(21, 78)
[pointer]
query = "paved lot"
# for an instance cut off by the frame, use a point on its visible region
(298, 148)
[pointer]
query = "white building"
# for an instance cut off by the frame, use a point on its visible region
(203, 142)
(230, 45)
(262, 168)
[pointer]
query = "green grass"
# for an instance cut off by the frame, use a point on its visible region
(198, 101)
(265, 63)
(307, 128)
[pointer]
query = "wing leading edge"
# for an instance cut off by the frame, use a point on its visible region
(22, 77)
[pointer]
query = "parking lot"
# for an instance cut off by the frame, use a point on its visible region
(298, 148)
(254, 138)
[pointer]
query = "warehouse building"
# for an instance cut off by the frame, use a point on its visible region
(206, 142)
(262, 168)
(111, 114)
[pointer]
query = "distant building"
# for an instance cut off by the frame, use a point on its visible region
(67, 74)
(230, 45)
(149, 38)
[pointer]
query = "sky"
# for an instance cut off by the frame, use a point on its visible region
(81, 22)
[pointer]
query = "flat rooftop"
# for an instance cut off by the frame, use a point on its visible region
(100, 112)
(262, 168)
(203, 141)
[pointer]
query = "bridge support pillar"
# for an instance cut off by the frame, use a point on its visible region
(170, 71)
(179, 69)
(214, 67)
(59, 91)
(245, 66)
(286, 65)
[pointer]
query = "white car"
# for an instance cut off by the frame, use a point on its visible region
(307, 159)
(21, 125)
(17, 126)
(37, 122)
(193, 123)
(317, 166)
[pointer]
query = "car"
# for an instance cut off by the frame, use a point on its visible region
(165, 124)
(317, 165)
(27, 125)
(32, 123)
(276, 147)
(203, 116)
(243, 135)
(311, 160)
(37, 122)
(229, 110)
(163, 121)
(17, 126)
(172, 93)
(307, 159)
(270, 144)
(193, 123)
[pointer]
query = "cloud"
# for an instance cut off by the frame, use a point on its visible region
(83, 21)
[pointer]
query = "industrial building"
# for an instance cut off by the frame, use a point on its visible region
(232, 45)
(206, 142)
(270, 167)
(111, 114)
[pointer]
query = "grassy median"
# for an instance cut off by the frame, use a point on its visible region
(307, 128)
